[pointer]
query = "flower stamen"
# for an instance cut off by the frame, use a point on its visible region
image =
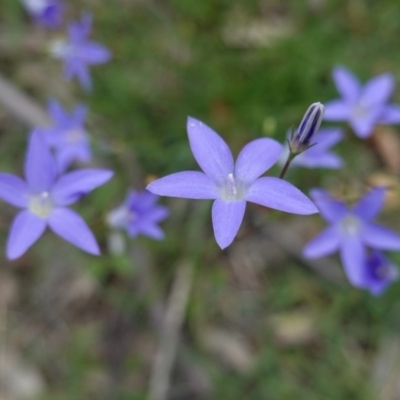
(231, 181)
(41, 204)
(350, 225)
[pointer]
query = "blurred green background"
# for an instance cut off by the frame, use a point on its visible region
(259, 322)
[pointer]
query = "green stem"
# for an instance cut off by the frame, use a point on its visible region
(286, 166)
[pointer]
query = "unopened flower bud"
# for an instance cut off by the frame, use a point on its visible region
(301, 138)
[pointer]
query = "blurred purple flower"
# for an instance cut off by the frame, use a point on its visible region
(67, 135)
(232, 185)
(78, 52)
(379, 273)
(319, 154)
(362, 107)
(139, 215)
(351, 230)
(43, 198)
(45, 12)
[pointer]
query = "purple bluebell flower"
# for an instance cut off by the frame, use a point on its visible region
(302, 138)
(139, 215)
(379, 273)
(319, 154)
(45, 12)
(67, 135)
(78, 51)
(362, 106)
(231, 184)
(351, 230)
(44, 198)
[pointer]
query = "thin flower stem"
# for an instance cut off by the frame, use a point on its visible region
(286, 166)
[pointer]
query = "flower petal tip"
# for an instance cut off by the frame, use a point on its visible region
(151, 187)
(223, 245)
(108, 174)
(312, 209)
(95, 251)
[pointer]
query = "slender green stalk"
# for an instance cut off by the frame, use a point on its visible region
(286, 166)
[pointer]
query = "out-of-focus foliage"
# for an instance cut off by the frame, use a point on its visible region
(260, 324)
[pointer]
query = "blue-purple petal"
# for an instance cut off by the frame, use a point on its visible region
(325, 139)
(142, 201)
(157, 214)
(370, 205)
(150, 230)
(337, 110)
(93, 53)
(72, 228)
(80, 30)
(325, 243)
(256, 158)
(40, 166)
(24, 232)
(66, 154)
(346, 83)
(379, 273)
(57, 113)
(280, 195)
(53, 15)
(331, 209)
(64, 159)
(13, 190)
(380, 237)
(210, 150)
(326, 160)
(227, 217)
(318, 155)
(72, 186)
(378, 90)
(50, 16)
(390, 114)
(364, 126)
(352, 253)
(79, 115)
(186, 184)
(83, 75)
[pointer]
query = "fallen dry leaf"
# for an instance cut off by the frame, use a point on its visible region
(231, 348)
(386, 141)
(294, 328)
(392, 183)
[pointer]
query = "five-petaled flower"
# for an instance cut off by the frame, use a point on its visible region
(139, 215)
(67, 135)
(45, 12)
(231, 184)
(44, 198)
(78, 52)
(319, 154)
(351, 231)
(362, 107)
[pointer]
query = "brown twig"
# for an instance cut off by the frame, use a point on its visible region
(170, 332)
(21, 105)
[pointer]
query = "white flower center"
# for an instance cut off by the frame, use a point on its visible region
(360, 110)
(75, 135)
(41, 204)
(120, 217)
(232, 190)
(35, 6)
(351, 225)
(60, 48)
